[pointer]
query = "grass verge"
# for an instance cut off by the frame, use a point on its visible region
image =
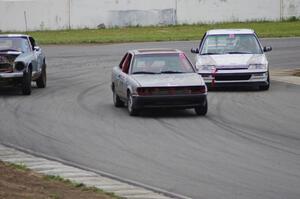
(17, 181)
(289, 28)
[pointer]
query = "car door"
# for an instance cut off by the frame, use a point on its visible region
(37, 54)
(124, 75)
(117, 75)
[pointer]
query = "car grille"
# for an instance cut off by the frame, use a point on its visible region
(6, 63)
(171, 90)
(234, 67)
(232, 77)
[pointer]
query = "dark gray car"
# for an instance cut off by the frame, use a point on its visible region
(21, 62)
(155, 78)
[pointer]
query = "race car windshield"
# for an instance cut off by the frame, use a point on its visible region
(161, 63)
(231, 44)
(14, 44)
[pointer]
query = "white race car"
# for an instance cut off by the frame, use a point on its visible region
(232, 57)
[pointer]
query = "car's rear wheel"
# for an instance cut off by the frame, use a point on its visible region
(202, 110)
(117, 101)
(26, 86)
(131, 105)
(41, 81)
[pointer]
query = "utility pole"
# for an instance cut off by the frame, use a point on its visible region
(69, 14)
(281, 10)
(175, 12)
(25, 18)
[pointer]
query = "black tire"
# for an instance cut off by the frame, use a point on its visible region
(265, 87)
(131, 106)
(117, 101)
(202, 110)
(26, 86)
(41, 82)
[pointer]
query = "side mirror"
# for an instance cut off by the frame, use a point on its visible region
(37, 48)
(267, 48)
(195, 51)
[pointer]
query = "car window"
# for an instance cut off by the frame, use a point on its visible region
(126, 63)
(25, 45)
(14, 43)
(231, 44)
(122, 61)
(158, 63)
(32, 42)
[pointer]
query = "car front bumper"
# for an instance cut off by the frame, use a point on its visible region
(10, 79)
(236, 78)
(169, 101)
(11, 75)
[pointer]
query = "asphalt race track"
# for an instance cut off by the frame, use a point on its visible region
(248, 145)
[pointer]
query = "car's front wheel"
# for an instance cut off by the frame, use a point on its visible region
(131, 105)
(26, 86)
(117, 101)
(202, 110)
(41, 81)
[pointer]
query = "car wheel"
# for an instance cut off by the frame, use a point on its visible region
(202, 110)
(265, 87)
(41, 81)
(131, 106)
(26, 86)
(117, 101)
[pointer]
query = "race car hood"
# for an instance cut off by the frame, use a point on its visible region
(9, 56)
(231, 60)
(168, 80)
(7, 60)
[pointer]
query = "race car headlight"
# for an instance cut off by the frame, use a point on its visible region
(205, 67)
(257, 66)
(19, 66)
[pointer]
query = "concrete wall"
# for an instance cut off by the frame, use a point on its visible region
(35, 14)
(22, 15)
(291, 8)
(203, 11)
(91, 13)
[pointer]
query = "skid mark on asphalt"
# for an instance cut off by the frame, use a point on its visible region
(248, 134)
(180, 134)
(83, 95)
(265, 136)
(22, 119)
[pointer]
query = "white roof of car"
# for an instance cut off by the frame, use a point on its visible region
(155, 51)
(229, 31)
(13, 35)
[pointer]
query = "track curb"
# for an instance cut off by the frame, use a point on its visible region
(86, 177)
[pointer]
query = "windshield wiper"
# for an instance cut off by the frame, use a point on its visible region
(170, 71)
(9, 49)
(144, 72)
(239, 52)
